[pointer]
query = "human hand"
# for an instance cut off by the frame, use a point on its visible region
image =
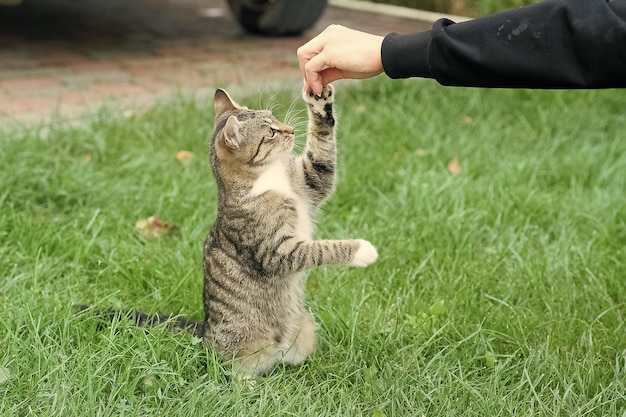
(339, 52)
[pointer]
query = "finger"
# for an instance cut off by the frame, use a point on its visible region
(317, 85)
(329, 75)
(309, 78)
(325, 77)
(306, 88)
(313, 72)
(308, 51)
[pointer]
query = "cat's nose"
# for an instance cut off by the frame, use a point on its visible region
(286, 129)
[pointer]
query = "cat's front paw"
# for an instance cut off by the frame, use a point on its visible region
(365, 255)
(319, 102)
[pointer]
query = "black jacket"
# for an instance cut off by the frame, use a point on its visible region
(553, 44)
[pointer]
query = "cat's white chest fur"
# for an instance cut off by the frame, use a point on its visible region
(275, 178)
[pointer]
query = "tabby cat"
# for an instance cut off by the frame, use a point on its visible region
(261, 243)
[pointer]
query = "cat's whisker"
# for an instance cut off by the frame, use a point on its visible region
(298, 124)
(271, 103)
(298, 147)
(295, 120)
(263, 100)
(261, 97)
(292, 106)
(295, 115)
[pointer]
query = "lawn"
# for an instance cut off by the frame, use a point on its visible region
(500, 220)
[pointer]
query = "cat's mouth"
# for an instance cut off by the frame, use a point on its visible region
(289, 139)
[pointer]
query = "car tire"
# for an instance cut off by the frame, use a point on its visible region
(277, 17)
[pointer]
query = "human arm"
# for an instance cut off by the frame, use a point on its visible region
(553, 44)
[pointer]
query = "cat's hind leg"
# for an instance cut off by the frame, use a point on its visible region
(303, 344)
(259, 362)
(293, 349)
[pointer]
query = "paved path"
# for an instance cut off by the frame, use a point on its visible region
(65, 57)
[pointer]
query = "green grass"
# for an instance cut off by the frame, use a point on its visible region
(499, 290)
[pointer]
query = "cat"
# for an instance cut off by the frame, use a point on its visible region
(261, 243)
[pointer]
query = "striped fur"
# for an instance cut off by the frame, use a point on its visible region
(261, 243)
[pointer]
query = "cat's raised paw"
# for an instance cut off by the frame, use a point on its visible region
(319, 101)
(365, 255)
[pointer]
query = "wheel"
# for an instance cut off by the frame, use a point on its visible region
(277, 17)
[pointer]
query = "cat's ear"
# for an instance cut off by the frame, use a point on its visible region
(230, 133)
(223, 103)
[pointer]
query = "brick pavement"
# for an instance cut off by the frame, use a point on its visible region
(68, 58)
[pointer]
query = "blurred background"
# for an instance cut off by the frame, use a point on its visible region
(67, 57)
(472, 8)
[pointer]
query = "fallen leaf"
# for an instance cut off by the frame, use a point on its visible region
(184, 156)
(153, 227)
(454, 167)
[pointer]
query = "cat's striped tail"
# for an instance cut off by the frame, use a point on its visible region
(141, 319)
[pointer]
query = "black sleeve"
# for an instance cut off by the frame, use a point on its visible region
(553, 44)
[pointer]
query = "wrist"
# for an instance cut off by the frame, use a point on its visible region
(404, 56)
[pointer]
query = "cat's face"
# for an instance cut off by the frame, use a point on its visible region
(251, 137)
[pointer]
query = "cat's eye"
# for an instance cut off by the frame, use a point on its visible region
(273, 132)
